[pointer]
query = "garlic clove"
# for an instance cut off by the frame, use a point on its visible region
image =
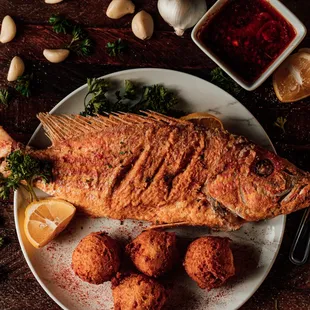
(56, 55)
(16, 69)
(142, 25)
(120, 8)
(52, 1)
(8, 29)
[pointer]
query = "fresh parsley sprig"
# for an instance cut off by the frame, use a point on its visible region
(116, 48)
(280, 122)
(154, 97)
(60, 24)
(5, 97)
(219, 78)
(23, 171)
(80, 43)
(24, 84)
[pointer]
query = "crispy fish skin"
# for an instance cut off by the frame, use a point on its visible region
(254, 183)
(164, 170)
(145, 169)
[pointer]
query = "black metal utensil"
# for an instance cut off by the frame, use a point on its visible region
(300, 249)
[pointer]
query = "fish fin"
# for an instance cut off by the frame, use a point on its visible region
(62, 127)
(166, 119)
(168, 225)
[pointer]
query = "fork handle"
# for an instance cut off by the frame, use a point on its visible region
(300, 249)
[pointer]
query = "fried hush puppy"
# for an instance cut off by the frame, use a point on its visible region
(209, 261)
(96, 258)
(153, 252)
(137, 292)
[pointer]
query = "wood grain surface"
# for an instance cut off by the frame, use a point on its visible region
(287, 286)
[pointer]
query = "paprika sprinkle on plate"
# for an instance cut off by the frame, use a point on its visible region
(248, 36)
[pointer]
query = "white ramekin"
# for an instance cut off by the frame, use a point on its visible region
(283, 10)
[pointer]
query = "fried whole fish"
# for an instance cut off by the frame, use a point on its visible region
(165, 170)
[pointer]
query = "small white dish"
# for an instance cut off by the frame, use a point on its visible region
(300, 30)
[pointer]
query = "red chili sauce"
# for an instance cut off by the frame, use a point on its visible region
(247, 35)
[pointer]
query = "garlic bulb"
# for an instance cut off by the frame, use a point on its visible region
(181, 14)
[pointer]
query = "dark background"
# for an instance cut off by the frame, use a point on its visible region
(287, 286)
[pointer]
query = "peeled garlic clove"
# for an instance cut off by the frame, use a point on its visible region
(120, 8)
(8, 29)
(142, 25)
(52, 1)
(16, 69)
(56, 55)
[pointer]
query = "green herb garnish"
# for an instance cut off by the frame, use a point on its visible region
(155, 97)
(4, 97)
(130, 90)
(99, 103)
(1, 241)
(23, 84)
(116, 48)
(23, 167)
(80, 43)
(280, 122)
(60, 24)
(219, 78)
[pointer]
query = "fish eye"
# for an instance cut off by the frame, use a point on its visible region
(264, 167)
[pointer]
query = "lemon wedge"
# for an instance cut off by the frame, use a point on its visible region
(204, 119)
(45, 219)
(291, 81)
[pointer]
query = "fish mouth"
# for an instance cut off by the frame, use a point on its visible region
(299, 191)
(297, 188)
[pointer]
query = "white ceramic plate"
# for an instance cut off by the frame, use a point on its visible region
(255, 245)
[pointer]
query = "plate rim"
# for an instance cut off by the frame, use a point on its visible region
(111, 75)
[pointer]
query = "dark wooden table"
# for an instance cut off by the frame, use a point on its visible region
(287, 286)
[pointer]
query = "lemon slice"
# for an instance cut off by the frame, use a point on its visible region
(291, 81)
(304, 50)
(45, 219)
(204, 119)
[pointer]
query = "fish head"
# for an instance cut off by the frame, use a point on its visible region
(271, 185)
(258, 184)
